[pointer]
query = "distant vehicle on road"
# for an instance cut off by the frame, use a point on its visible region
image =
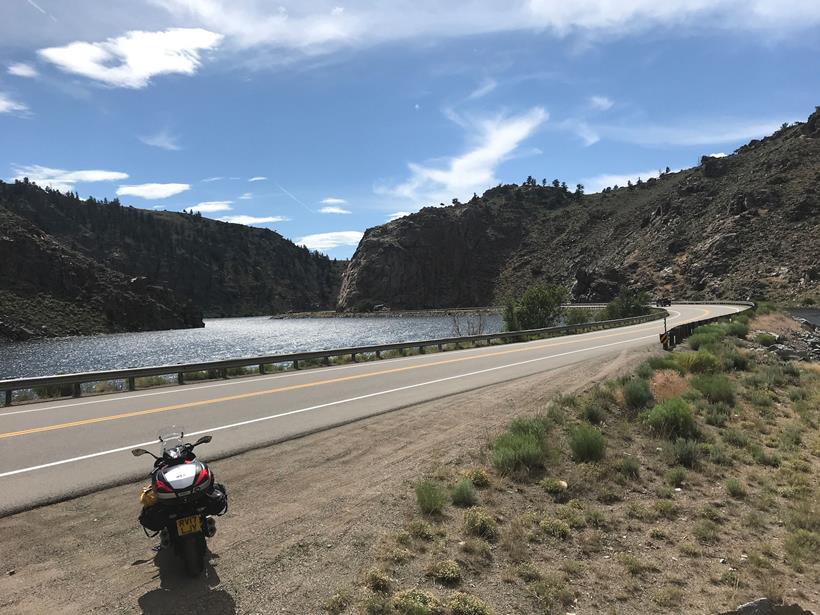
(663, 302)
(381, 308)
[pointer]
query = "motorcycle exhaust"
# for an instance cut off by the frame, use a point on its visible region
(210, 527)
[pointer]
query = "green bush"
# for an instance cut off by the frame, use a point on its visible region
(431, 497)
(766, 339)
(538, 307)
(672, 419)
(594, 406)
(465, 604)
(522, 448)
(675, 477)
(763, 457)
(479, 522)
(737, 329)
(463, 493)
(715, 387)
(627, 303)
(587, 443)
(666, 361)
(735, 488)
(446, 572)
(578, 316)
(416, 602)
(736, 438)
(734, 361)
(477, 476)
(700, 362)
(637, 394)
(378, 580)
(683, 452)
(555, 527)
(630, 467)
(704, 340)
(717, 414)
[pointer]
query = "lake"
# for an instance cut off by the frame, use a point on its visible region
(222, 338)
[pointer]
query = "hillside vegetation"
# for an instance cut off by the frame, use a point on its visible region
(744, 225)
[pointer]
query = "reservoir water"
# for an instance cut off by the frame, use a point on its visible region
(222, 338)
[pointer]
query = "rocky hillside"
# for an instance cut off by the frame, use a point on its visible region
(746, 225)
(47, 289)
(71, 266)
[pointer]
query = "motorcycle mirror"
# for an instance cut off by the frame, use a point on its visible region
(203, 440)
(139, 451)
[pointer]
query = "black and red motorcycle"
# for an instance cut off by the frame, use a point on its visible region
(182, 500)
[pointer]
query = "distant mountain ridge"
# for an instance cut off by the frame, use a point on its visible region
(744, 225)
(178, 264)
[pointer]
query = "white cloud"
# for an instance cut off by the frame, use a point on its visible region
(163, 139)
(246, 196)
(252, 220)
(215, 178)
(692, 132)
(62, 180)
(9, 105)
(486, 86)
(496, 139)
(330, 209)
(332, 200)
(258, 178)
(601, 103)
(21, 69)
(328, 241)
(599, 182)
(152, 191)
(209, 207)
(396, 215)
(131, 60)
(717, 155)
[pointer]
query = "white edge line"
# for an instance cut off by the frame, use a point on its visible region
(247, 380)
(325, 405)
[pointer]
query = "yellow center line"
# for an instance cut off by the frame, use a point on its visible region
(292, 387)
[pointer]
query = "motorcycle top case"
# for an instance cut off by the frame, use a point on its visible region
(181, 480)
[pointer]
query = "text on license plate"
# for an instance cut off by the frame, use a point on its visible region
(189, 525)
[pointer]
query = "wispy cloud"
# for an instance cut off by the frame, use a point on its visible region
(599, 182)
(332, 200)
(496, 139)
(152, 191)
(332, 209)
(396, 215)
(258, 178)
(717, 155)
(209, 207)
(484, 88)
(600, 103)
(162, 139)
(246, 196)
(132, 60)
(215, 178)
(21, 69)
(253, 220)
(691, 132)
(60, 179)
(9, 105)
(328, 241)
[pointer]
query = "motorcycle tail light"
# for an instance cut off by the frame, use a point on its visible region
(163, 486)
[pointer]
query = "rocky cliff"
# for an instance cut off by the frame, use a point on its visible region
(115, 268)
(745, 225)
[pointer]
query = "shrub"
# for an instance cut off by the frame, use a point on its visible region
(446, 572)
(735, 488)
(416, 602)
(765, 339)
(465, 604)
(763, 457)
(538, 307)
(791, 437)
(431, 497)
(578, 316)
(594, 407)
(715, 387)
(463, 493)
(666, 509)
(734, 361)
(338, 602)
(736, 438)
(377, 604)
(802, 545)
(630, 467)
(378, 580)
(555, 527)
(672, 419)
(700, 362)
(552, 591)
(703, 340)
(675, 476)
(553, 486)
(587, 443)
(737, 329)
(420, 530)
(522, 448)
(706, 531)
(636, 394)
(479, 522)
(477, 476)
(717, 414)
(627, 303)
(684, 453)
(666, 361)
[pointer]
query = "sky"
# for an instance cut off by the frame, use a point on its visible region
(322, 119)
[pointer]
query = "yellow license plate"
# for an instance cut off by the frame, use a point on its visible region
(189, 525)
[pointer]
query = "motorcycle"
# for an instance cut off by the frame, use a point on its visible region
(182, 500)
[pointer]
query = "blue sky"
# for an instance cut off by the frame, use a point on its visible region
(346, 114)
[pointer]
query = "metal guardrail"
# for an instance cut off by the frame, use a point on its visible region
(220, 368)
(676, 335)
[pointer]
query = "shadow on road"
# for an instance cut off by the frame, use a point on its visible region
(179, 593)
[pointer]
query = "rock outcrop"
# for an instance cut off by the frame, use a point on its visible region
(740, 226)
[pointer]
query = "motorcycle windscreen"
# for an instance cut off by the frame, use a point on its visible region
(171, 436)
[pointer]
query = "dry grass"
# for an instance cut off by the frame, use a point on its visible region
(666, 384)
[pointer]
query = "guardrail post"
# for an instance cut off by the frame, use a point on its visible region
(353, 357)
(8, 397)
(441, 347)
(77, 390)
(378, 354)
(262, 369)
(132, 385)
(421, 349)
(180, 377)
(296, 363)
(223, 373)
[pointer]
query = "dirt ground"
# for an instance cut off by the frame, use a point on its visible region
(303, 522)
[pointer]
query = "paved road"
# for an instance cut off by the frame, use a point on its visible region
(50, 451)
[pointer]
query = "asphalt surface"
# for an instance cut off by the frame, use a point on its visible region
(55, 450)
